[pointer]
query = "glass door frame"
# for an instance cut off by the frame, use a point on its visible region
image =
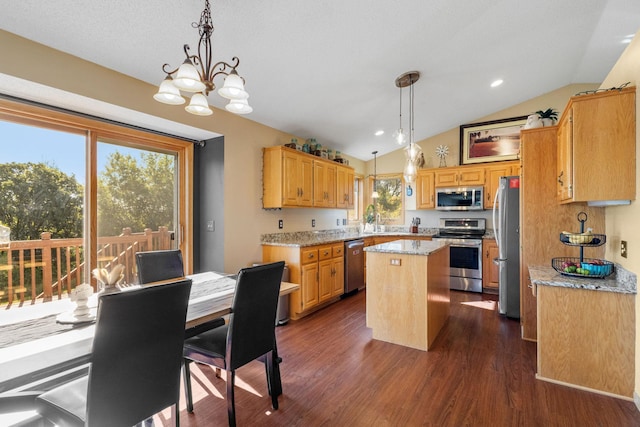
(95, 129)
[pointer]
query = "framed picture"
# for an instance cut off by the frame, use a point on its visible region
(493, 141)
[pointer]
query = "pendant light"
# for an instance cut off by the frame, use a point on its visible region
(413, 150)
(399, 136)
(375, 194)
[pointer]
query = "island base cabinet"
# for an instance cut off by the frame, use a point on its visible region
(586, 339)
(407, 297)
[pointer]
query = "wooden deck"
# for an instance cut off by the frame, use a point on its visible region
(478, 373)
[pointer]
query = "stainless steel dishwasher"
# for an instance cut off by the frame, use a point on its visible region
(353, 265)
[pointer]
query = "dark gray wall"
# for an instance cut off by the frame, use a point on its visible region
(208, 206)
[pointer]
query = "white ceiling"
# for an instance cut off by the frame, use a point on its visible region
(326, 69)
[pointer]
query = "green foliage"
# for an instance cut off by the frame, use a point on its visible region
(36, 197)
(549, 113)
(136, 194)
(389, 202)
(369, 215)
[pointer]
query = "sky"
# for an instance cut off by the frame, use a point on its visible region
(65, 151)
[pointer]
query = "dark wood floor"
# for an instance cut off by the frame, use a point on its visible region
(478, 373)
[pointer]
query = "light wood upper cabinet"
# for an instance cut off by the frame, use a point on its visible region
(324, 184)
(295, 179)
(345, 182)
(425, 193)
(493, 174)
(459, 176)
(596, 147)
(287, 179)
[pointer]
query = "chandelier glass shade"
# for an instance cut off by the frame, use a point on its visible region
(196, 75)
(413, 150)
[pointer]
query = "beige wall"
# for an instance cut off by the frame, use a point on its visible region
(394, 162)
(622, 221)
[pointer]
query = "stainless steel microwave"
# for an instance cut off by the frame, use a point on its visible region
(460, 199)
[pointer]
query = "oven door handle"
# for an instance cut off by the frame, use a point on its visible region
(465, 245)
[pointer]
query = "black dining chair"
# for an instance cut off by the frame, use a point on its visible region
(168, 264)
(249, 335)
(135, 361)
(154, 266)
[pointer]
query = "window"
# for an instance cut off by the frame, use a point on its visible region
(389, 204)
(78, 194)
(355, 214)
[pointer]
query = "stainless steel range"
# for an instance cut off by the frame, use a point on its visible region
(464, 236)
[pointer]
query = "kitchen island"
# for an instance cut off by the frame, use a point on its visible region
(407, 291)
(586, 330)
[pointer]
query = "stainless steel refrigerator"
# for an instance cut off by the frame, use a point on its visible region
(506, 224)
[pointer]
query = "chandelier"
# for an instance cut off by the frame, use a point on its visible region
(413, 150)
(196, 75)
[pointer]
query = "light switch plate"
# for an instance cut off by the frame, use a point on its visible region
(211, 225)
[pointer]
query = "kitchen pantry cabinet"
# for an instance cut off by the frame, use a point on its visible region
(345, 182)
(490, 270)
(425, 192)
(291, 178)
(596, 148)
(318, 269)
(542, 218)
(458, 176)
(492, 179)
(324, 184)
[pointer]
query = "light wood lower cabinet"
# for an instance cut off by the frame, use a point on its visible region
(319, 270)
(586, 339)
(490, 270)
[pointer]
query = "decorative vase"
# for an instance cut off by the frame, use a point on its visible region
(110, 289)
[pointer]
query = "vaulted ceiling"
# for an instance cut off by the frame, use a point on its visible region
(326, 69)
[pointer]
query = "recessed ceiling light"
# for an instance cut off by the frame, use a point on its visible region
(380, 132)
(497, 83)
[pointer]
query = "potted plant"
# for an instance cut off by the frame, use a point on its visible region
(548, 116)
(369, 218)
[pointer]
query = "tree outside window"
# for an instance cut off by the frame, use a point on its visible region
(390, 199)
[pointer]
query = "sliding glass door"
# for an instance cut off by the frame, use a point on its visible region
(78, 194)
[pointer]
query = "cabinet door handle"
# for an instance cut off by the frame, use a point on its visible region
(560, 181)
(311, 255)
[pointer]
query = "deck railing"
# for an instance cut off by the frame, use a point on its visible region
(33, 270)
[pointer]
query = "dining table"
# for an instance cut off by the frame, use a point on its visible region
(39, 352)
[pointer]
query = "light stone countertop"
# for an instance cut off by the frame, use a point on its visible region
(622, 281)
(312, 238)
(408, 247)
